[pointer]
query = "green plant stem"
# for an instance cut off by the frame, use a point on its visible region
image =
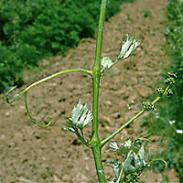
(132, 119)
(95, 140)
(55, 75)
(42, 124)
(122, 127)
(120, 174)
(25, 92)
(27, 107)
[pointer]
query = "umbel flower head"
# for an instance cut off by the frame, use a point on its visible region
(81, 115)
(129, 45)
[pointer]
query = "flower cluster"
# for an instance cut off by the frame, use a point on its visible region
(80, 117)
(134, 162)
(128, 47)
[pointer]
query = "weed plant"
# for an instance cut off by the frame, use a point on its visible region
(132, 161)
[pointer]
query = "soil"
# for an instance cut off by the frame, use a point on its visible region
(29, 154)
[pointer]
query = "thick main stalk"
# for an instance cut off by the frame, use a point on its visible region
(95, 141)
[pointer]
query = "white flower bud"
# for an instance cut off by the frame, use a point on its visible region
(106, 63)
(81, 115)
(128, 47)
(113, 146)
(128, 144)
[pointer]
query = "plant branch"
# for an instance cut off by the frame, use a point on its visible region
(42, 124)
(120, 174)
(25, 93)
(55, 75)
(122, 127)
(132, 119)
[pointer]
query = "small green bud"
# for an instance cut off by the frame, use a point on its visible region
(160, 90)
(170, 80)
(148, 106)
(172, 75)
(169, 92)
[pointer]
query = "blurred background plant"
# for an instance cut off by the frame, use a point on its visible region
(168, 124)
(34, 29)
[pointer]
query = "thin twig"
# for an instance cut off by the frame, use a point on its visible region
(132, 119)
(55, 75)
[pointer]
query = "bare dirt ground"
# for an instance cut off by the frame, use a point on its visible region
(29, 154)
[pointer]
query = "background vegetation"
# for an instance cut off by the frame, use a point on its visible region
(175, 106)
(170, 118)
(34, 29)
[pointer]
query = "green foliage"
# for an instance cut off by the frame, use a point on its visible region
(34, 29)
(171, 114)
(175, 39)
